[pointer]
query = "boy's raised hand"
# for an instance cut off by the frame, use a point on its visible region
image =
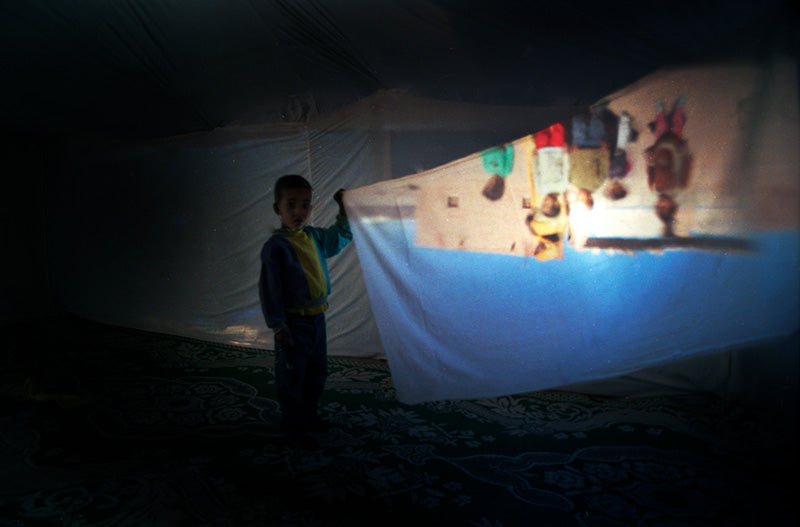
(339, 199)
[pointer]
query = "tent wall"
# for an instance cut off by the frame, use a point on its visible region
(165, 235)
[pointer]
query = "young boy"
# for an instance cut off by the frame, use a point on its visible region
(293, 289)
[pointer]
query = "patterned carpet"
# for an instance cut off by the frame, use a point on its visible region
(104, 426)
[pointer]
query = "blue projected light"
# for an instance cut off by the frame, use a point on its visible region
(458, 324)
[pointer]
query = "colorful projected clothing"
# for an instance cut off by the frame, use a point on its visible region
(553, 135)
(550, 170)
(668, 159)
(588, 131)
(498, 162)
(588, 168)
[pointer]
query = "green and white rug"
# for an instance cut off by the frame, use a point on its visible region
(104, 426)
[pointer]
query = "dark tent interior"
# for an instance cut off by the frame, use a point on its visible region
(140, 142)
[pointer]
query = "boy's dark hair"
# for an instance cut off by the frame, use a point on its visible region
(290, 181)
(555, 209)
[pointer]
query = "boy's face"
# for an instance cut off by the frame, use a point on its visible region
(548, 204)
(294, 208)
(666, 208)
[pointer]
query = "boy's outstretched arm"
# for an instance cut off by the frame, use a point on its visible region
(333, 239)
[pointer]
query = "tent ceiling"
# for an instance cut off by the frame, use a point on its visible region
(146, 68)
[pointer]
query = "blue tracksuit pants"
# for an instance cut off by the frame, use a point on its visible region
(301, 372)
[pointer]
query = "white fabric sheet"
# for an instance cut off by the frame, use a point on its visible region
(476, 316)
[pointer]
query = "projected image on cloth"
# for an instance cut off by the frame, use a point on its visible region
(618, 176)
(658, 225)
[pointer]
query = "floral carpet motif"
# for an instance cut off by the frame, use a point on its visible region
(105, 426)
